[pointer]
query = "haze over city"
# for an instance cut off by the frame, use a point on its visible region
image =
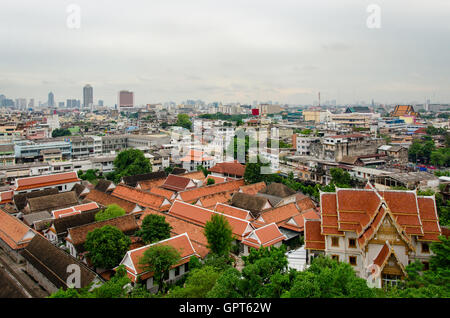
(233, 51)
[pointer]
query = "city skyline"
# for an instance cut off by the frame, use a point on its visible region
(228, 52)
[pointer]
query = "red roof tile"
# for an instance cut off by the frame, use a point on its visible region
(233, 211)
(253, 188)
(46, 180)
(209, 201)
(200, 216)
(314, 240)
(265, 236)
(194, 194)
(140, 197)
(131, 259)
(14, 232)
(231, 168)
(107, 199)
(178, 183)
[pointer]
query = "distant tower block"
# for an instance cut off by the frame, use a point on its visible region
(126, 99)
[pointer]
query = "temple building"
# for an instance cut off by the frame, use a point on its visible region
(377, 232)
(404, 110)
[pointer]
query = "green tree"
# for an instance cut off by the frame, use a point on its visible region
(198, 283)
(184, 121)
(326, 278)
(219, 234)
(210, 181)
(204, 170)
(240, 145)
(159, 259)
(340, 177)
(90, 175)
(129, 162)
(252, 173)
(60, 132)
(154, 228)
(260, 267)
(106, 246)
(228, 285)
(112, 211)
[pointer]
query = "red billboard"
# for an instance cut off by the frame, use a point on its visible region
(255, 111)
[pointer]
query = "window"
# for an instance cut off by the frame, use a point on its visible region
(177, 271)
(426, 266)
(425, 248)
(389, 280)
(335, 257)
(335, 241)
(352, 243)
(352, 260)
(186, 267)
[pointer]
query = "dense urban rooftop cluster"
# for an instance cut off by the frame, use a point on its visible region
(363, 185)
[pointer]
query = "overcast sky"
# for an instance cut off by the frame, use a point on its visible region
(227, 50)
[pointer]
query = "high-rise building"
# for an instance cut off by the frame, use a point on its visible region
(88, 96)
(21, 103)
(31, 102)
(100, 102)
(51, 100)
(126, 99)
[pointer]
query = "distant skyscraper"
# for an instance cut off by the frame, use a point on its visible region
(21, 103)
(61, 104)
(31, 102)
(100, 102)
(51, 100)
(126, 99)
(88, 96)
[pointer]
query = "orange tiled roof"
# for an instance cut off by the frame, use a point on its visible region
(279, 214)
(383, 256)
(362, 212)
(77, 209)
(209, 201)
(194, 194)
(305, 203)
(178, 183)
(233, 168)
(107, 199)
(297, 222)
(200, 216)
(131, 259)
(265, 236)
(149, 184)
(6, 197)
(404, 206)
(14, 232)
(253, 188)
(194, 175)
(180, 226)
(429, 219)
(140, 197)
(233, 211)
(216, 179)
(314, 240)
(402, 110)
(46, 180)
(168, 194)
